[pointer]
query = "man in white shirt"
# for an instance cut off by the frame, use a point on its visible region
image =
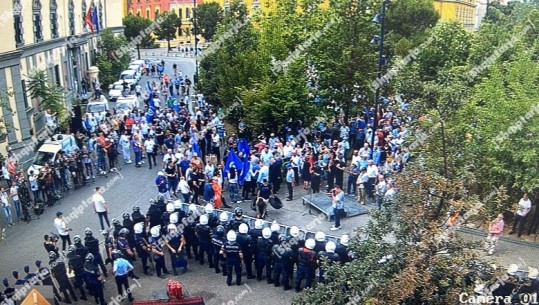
(149, 146)
(209, 170)
(184, 188)
(6, 206)
(62, 229)
(100, 207)
(169, 156)
(287, 150)
(372, 173)
(14, 194)
(524, 207)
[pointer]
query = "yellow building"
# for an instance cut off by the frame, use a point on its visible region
(184, 10)
(463, 11)
(48, 35)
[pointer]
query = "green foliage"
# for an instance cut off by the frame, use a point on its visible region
(169, 27)
(208, 17)
(134, 26)
(49, 95)
(109, 64)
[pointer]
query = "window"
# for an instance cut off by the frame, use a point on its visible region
(36, 18)
(24, 96)
(84, 12)
(138, 13)
(57, 75)
(54, 19)
(147, 14)
(17, 23)
(156, 14)
(71, 18)
(187, 13)
(180, 12)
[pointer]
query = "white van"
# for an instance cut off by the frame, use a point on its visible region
(116, 90)
(99, 107)
(126, 104)
(50, 149)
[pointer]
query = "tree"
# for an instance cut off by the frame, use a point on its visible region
(169, 27)
(49, 95)
(109, 63)
(208, 17)
(134, 26)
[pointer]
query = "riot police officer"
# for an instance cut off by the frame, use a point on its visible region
(165, 218)
(223, 220)
(218, 240)
(203, 232)
(246, 243)
(342, 249)
(93, 280)
(320, 242)
(117, 226)
(128, 224)
(212, 220)
(234, 223)
(178, 209)
(275, 232)
(295, 242)
(282, 254)
(190, 235)
(92, 244)
(154, 214)
(232, 253)
(137, 216)
(80, 249)
(306, 264)
(330, 256)
(158, 253)
(257, 231)
(60, 274)
(46, 279)
(263, 255)
(76, 263)
(30, 277)
(142, 247)
(126, 249)
(110, 244)
(175, 243)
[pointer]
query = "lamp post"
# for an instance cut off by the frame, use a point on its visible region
(195, 77)
(379, 19)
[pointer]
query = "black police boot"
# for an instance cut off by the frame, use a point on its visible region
(174, 271)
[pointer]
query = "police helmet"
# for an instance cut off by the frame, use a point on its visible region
(136, 209)
(320, 236)
(177, 205)
(204, 219)
(116, 254)
(190, 213)
(124, 231)
(160, 197)
(192, 207)
(170, 207)
(152, 201)
(116, 222)
(231, 235)
(125, 215)
(259, 224)
(220, 231)
(105, 232)
(310, 243)
(330, 247)
(266, 233)
(238, 212)
(77, 239)
(345, 239)
(52, 255)
(154, 231)
(208, 208)
(173, 218)
(138, 228)
(243, 228)
(282, 238)
(88, 232)
(89, 257)
(294, 231)
(274, 227)
(171, 227)
(223, 217)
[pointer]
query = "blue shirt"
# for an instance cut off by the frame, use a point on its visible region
(161, 182)
(338, 202)
(121, 266)
(290, 176)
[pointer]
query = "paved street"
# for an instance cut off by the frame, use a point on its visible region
(134, 187)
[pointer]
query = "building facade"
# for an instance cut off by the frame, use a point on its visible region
(149, 9)
(462, 11)
(48, 35)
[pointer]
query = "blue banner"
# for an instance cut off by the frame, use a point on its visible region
(244, 148)
(232, 159)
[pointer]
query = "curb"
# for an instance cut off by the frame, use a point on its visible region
(503, 238)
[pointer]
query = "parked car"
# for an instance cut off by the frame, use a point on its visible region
(130, 77)
(99, 107)
(116, 90)
(126, 104)
(137, 69)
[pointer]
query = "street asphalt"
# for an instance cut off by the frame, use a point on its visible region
(134, 187)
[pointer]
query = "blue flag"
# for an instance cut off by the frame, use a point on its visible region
(150, 113)
(176, 103)
(196, 149)
(95, 19)
(244, 148)
(232, 159)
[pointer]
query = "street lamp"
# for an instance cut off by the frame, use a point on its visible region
(379, 18)
(195, 77)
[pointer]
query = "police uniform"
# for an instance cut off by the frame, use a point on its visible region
(283, 260)
(342, 251)
(295, 243)
(306, 267)
(319, 246)
(60, 274)
(92, 244)
(127, 253)
(116, 231)
(331, 258)
(154, 215)
(213, 221)
(234, 224)
(263, 258)
(218, 259)
(46, 279)
(142, 247)
(177, 259)
(232, 252)
(255, 234)
(246, 244)
(159, 259)
(77, 265)
(138, 217)
(110, 244)
(191, 239)
(203, 232)
(94, 284)
(81, 250)
(128, 224)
